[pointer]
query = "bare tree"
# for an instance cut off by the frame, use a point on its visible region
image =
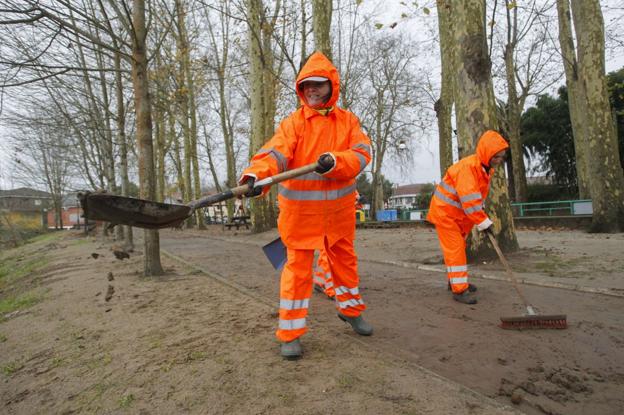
(390, 104)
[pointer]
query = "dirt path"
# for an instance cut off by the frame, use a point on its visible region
(576, 371)
(83, 332)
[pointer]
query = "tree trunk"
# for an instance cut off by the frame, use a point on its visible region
(261, 208)
(476, 113)
(183, 107)
(321, 23)
(605, 173)
(177, 156)
(444, 105)
(576, 97)
(123, 145)
(513, 129)
(142, 106)
(270, 81)
(188, 112)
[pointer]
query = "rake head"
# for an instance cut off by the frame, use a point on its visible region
(534, 322)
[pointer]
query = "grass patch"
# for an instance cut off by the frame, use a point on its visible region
(346, 381)
(46, 237)
(3, 338)
(126, 401)
(9, 368)
(21, 302)
(57, 362)
(12, 269)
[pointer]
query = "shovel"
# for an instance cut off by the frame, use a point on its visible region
(120, 210)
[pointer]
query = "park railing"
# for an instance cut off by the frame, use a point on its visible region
(581, 207)
(557, 208)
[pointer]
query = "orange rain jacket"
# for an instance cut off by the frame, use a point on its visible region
(462, 192)
(315, 206)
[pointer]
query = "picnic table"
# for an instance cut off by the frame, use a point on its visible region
(238, 221)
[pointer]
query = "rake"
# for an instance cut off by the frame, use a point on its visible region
(531, 320)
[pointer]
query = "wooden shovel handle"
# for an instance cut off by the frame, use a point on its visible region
(242, 189)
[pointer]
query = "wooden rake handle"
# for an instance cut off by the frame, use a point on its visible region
(510, 273)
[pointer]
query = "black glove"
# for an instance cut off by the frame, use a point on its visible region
(325, 163)
(253, 191)
(489, 230)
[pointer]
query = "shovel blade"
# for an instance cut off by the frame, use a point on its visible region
(275, 251)
(130, 211)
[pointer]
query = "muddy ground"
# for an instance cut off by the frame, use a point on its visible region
(84, 332)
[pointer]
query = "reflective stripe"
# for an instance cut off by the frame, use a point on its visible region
(295, 324)
(316, 194)
(319, 280)
(311, 176)
(294, 304)
(457, 268)
(343, 290)
(471, 196)
(363, 146)
(350, 303)
(282, 163)
(473, 209)
(363, 161)
(446, 199)
(448, 188)
(329, 284)
(459, 280)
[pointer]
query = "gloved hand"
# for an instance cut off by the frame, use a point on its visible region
(253, 191)
(489, 230)
(325, 163)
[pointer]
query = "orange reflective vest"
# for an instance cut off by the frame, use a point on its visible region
(315, 206)
(461, 194)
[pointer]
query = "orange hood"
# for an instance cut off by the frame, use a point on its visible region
(319, 65)
(489, 144)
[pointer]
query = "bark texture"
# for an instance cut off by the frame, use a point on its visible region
(476, 113)
(444, 104)
(576, 96)
(262, 209)
(321, 22)
(152, 265)
(606, 179)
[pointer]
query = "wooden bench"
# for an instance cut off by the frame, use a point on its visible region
(238, 221)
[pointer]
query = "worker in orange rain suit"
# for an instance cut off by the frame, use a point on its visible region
(457, 205)
(317, 210)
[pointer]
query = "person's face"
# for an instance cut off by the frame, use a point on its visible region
(498, 158)
(316, 93)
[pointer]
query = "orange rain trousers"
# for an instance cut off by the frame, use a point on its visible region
(296, 286)
(323, 275)
(453, 243)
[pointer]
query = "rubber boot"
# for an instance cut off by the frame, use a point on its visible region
(291, 350)
(466, 297)
(358, 324)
